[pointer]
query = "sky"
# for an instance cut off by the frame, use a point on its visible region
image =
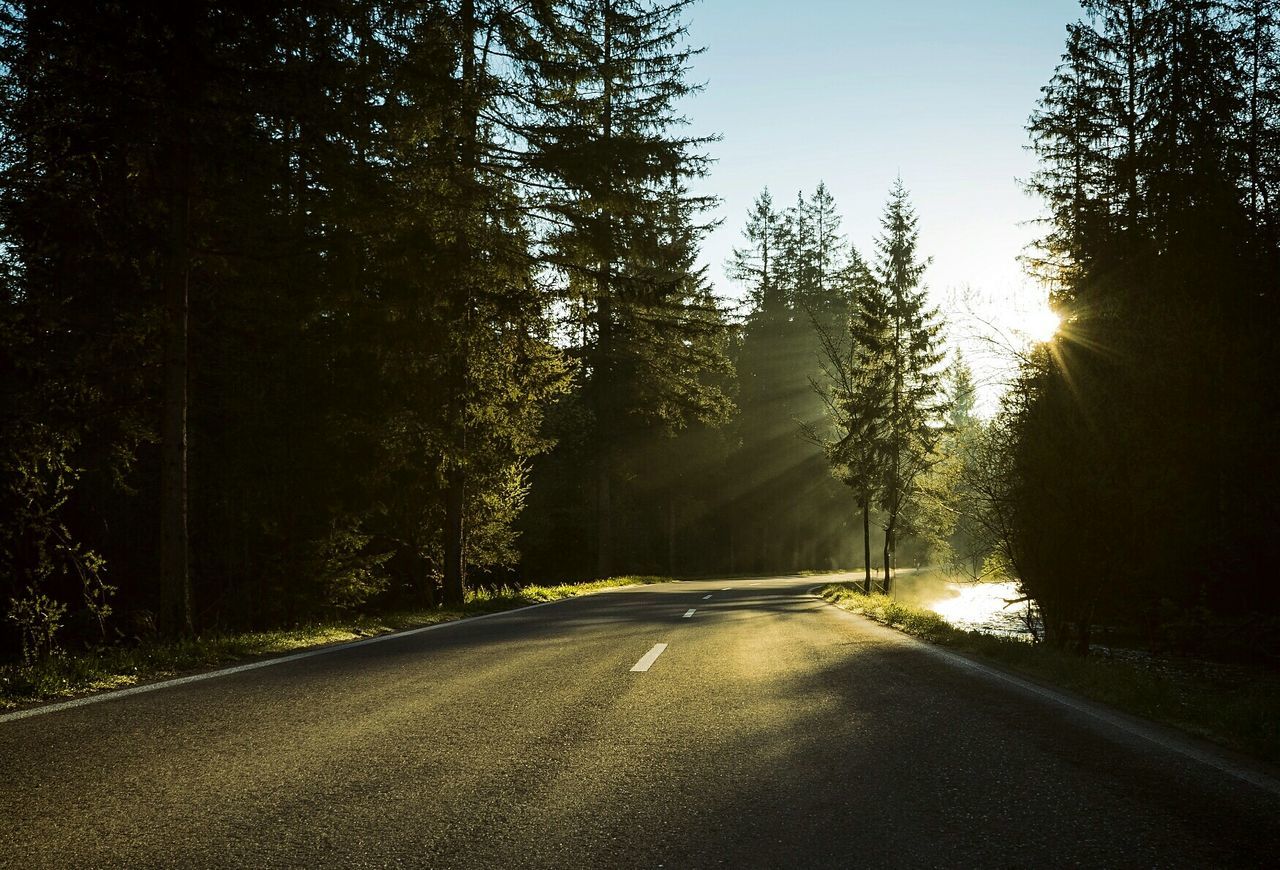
(857, 93)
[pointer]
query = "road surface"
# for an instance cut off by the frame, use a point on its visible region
(772, 730)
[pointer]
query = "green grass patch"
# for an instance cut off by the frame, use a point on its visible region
(1242, 712)
(68, 675)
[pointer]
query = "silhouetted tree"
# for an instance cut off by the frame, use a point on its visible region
(855, 387)
(1153, 136)
(914, 406)
(755, 265)
(787, 510)
(625, 227)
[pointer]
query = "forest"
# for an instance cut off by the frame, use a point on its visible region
(352, 305)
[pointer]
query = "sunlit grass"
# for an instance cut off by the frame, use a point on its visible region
(1243, 715)
(65, 675)
(882, 608)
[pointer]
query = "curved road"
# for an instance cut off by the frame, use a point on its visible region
(773, 730)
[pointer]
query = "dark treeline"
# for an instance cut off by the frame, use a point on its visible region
(1136, 456)
(315, 307)
(288, 289)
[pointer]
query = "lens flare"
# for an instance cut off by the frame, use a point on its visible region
(1041, 325)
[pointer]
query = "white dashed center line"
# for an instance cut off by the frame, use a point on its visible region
(690, 612)
(726, 589)
(647, 660)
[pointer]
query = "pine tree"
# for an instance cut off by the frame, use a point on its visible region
(855, 387)
(812, 277)
(1153, 137)
(1255, 37)
(961, 393)
(335, 360)
(755, 265)
(616, 167)
(911, 356)
(793, 248)
(940, 512)
(824, 274)
(67, 318)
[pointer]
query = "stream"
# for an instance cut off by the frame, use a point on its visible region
(982, 607)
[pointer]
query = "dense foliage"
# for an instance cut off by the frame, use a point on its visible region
(1141, 474)
(280, 285)
(314, 307)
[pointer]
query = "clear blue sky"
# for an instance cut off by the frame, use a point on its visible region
(854, 93)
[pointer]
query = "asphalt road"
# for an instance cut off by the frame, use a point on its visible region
(772, 731)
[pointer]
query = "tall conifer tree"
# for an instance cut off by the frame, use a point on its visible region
(911, 356)
(610, 147)
(755, 265)
(855, 387)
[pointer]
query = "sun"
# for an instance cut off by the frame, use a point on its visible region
(1040, 325)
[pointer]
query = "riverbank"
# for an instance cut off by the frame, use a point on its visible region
(1242, 712)
(67, 675)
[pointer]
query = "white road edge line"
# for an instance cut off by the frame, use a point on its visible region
(705, 597)
(1093, 709)
(727, 589)
(690, 612)
(647, 660)
(279, 660)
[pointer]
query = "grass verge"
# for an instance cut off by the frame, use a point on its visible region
(1243, 714)
(66, 675)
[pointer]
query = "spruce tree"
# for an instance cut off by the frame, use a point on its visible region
(824, 277)
(793, 262)
(911, 356)
(1153, 136)
(616, 168)
(811, 278)
(755, 264)
(961, 393)
(364, 315)
(855, 388)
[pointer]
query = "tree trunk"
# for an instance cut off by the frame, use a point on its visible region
(888, 558)
(671, 537)
(602, 375)
(1082, 637)
(898, 438)
(603, 406)
(866, 546)
(454, 506)
(604, 518)
(175, 582)
(423, 584)
(174, 618)
(455, 500)
(1083, 629)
